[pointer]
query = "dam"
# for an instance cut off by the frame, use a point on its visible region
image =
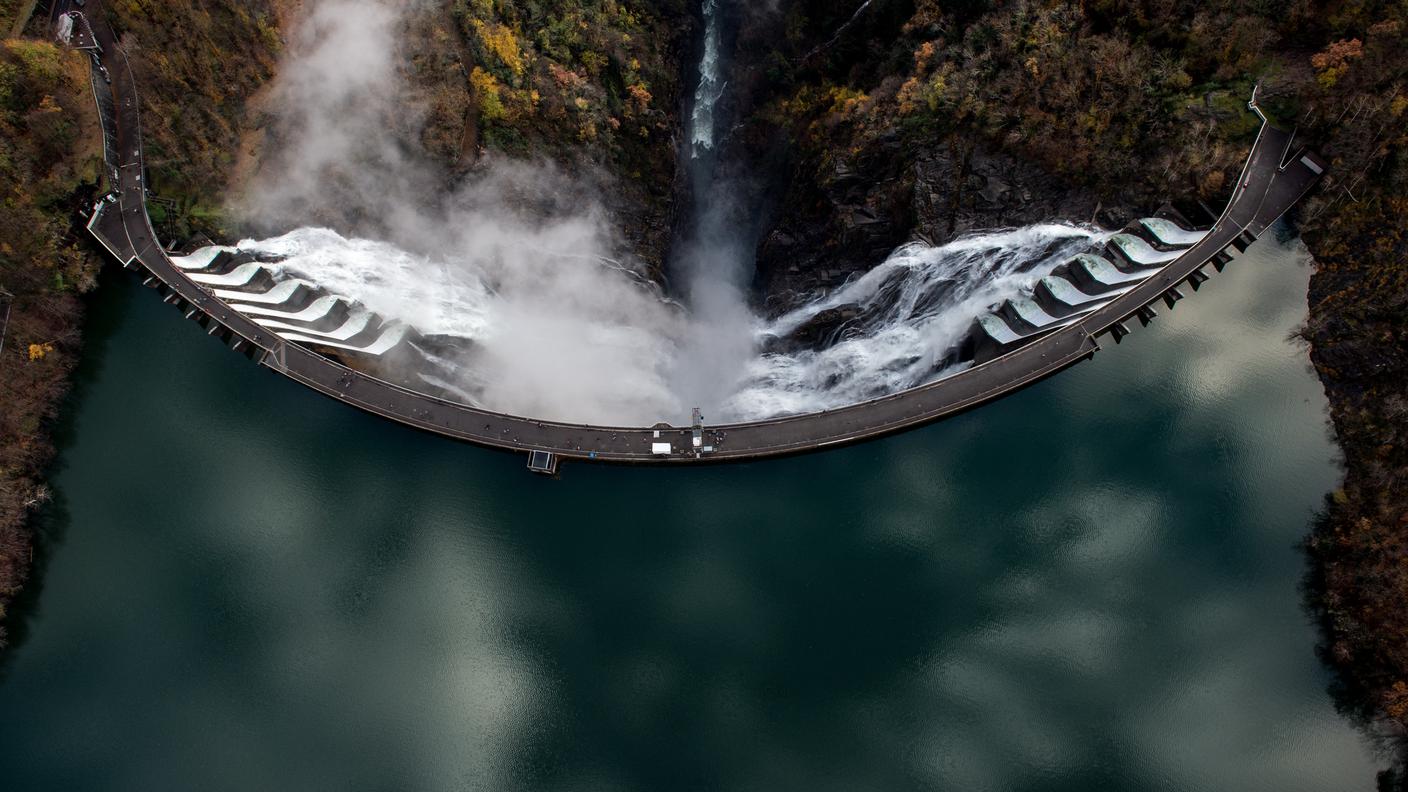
(309, 335)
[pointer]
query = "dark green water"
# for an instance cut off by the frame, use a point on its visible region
(1090, 585)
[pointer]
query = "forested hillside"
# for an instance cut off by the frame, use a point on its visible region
(590, 83)
(934, 117)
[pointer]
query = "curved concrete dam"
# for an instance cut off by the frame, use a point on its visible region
(292, 327)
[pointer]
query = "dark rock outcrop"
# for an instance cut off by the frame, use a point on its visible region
(846, 216)
(818, 332)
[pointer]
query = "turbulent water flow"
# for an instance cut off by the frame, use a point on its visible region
(521, 313)
(902, 321)
(711, 84)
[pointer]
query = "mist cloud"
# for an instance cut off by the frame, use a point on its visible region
(520, 258)
(529, 298)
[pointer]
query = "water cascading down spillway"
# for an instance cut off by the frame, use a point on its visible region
(710, 87)
(907, 321)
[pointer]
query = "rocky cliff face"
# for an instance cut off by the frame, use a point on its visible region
(49, 160)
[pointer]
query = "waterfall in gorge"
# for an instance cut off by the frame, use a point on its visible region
(711, 84)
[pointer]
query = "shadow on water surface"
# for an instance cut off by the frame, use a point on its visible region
(1352, 699)
(104, 310)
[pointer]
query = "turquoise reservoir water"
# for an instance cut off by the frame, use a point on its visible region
(1089, 585)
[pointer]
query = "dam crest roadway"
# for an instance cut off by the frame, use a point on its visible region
(281, 325)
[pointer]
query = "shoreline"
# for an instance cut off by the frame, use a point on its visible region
(1357, 547)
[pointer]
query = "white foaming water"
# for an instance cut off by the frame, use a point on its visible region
(711, 87)
(590, 344)
(910, 313)
(432, 296)
(552, 335)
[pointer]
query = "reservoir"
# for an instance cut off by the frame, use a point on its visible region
(1092, 584)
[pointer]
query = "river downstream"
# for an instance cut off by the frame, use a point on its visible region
(1092, 584)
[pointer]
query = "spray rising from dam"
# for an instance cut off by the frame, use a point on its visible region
(508, 313)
